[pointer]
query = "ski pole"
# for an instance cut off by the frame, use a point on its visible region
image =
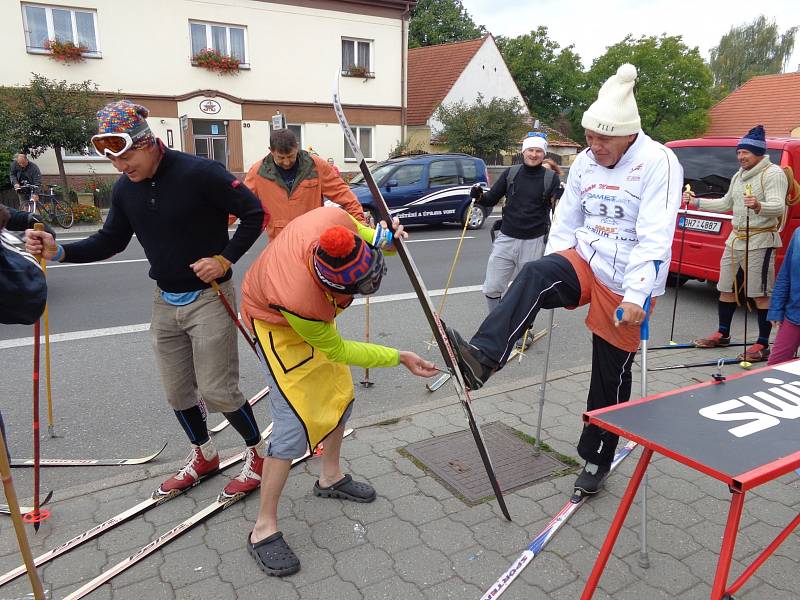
(644, 560)
(234, 316)
(455, 261)
(16, 518)
(537, 447)
(688, 189)
(51, 430)
(366, 381)
(36, 516)
(746, 364)
(705, 363)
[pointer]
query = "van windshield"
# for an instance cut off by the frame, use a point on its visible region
(709, 169)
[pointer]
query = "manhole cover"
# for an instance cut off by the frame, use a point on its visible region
(454, 459)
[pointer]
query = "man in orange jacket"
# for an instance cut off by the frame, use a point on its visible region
(290, 182)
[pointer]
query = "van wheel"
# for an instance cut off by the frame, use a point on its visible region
(476, 218)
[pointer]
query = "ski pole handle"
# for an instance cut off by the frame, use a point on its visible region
(645, 326)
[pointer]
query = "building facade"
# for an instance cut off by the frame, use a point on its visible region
(448, 74)
(288, 53)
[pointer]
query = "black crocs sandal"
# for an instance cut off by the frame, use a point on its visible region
(346, 489)
(274, 556)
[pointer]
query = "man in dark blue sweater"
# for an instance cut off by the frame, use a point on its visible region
(177, 204)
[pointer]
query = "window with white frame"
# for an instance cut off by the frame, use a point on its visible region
(356, 56)
(44, 23)
(228, 40)
(297, 129)
(85, 154)
(364, 139)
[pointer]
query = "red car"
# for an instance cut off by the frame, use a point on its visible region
(708, 165)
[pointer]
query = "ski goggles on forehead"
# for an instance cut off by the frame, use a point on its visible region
(371, 281)
(112, 144)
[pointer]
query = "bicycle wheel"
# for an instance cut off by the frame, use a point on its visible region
(64, 214)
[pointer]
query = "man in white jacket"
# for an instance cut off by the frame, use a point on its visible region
(613, 227)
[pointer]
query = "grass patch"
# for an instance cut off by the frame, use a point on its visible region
(567, 460)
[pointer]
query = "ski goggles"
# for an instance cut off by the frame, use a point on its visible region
(116, 144)
(112, 144)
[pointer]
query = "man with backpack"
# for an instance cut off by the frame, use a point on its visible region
(528, 189)
(757, 197)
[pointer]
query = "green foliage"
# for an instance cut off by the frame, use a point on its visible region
(483, 129)
(673, 90)
(549, 78)
(406, 149)
(47, 114)
(440, 22)
(6, 156)
(748, 50)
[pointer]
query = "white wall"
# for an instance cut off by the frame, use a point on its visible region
(145, 46)
(487, 74)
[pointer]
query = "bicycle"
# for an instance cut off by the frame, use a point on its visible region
(50, 207)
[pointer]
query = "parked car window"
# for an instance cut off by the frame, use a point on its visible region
(709, 169)
(379, 173)
(468, 171)
(408, 174)
(443, 172)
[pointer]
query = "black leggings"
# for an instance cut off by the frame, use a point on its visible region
(551, 282)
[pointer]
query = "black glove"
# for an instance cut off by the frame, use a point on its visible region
(476, 192)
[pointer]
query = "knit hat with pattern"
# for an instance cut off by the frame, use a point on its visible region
(123, 116)
(342, 259)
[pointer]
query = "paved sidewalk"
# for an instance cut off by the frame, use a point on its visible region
(420, 541)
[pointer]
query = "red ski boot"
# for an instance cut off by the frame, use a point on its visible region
(250, 477)
(202, 461)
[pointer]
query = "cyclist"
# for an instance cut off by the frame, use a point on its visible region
(24, 172)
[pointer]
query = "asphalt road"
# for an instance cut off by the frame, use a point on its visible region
(107, 394)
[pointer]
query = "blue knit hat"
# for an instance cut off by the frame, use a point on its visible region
(754, 141)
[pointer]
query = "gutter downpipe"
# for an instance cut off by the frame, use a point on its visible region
(404, 73)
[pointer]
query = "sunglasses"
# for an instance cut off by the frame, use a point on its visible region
(112, 144)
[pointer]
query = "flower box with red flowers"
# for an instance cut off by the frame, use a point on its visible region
(213, 60)
(66, 52)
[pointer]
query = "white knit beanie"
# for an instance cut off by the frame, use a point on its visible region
(615, 112)
(534, 141)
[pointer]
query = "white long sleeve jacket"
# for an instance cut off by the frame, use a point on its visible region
(621, 219)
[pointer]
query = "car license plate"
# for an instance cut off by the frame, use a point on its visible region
(704, 225)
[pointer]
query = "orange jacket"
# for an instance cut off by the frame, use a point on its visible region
(316, 180)
(282, 276)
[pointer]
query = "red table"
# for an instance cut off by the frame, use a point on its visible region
(744, 432)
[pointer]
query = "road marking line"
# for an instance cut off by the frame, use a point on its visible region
(125, 329)
(444, 239)
(94, 264)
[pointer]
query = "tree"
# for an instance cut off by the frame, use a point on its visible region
(673, 89)
(748, 50)
(48, 114)
(482, 129)
(548, 77)
(440, 22)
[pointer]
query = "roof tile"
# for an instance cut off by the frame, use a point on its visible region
(771, 100)
(432, 72)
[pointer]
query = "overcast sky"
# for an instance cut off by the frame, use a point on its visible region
(592, 25)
